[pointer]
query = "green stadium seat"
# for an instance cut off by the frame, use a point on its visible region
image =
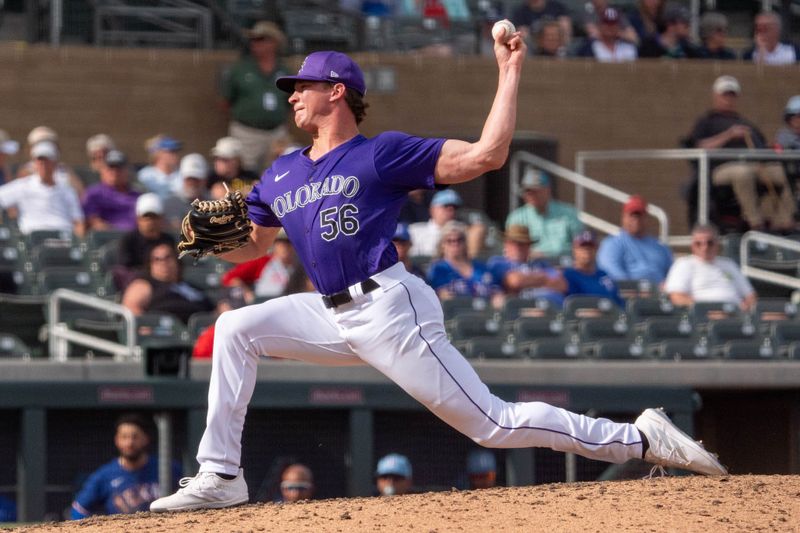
(472, 324)
(681, 350)
(74, 278)
(578, 306)
(514, 308)
(657, 329)
(722, 331)
(12, 346)
(24, 316)
(704, 312)
(614, 349)
(461, 304)
(97, 238)
(553, 348)
(62, 255)
(35, 238)
(489, 348)
(198, 322)
(592, 329)
(759, 349)
(640, 309)
(526, 329)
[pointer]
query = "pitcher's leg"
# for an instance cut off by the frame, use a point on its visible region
(295, 327)
(412, 349)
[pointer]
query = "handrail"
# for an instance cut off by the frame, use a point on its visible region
(581, 182)
(760, 273)
(701, 156)
(60, 335)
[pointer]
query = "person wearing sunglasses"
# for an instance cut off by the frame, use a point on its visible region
(704, 276)
(297, 483)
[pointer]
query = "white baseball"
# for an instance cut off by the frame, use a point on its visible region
(503, 27)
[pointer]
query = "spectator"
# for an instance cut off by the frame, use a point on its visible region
(522, 276)
(724, 127)
(443, 209)
(62, 173)
(646, 19)
(767, 47)
(42, 202)
(128, 483)
(97, 147)
(530, 11)
(297, 483)
(455, 274)
(227, 169)
(703, 276)
(111, 204)
(133, 246)
(194, 176)
(162, 289)
(417, 207)
(583, 277)
(633, 254)
(788, 137)
(402, 243)
(549, 39)
(481, 469)
(393, 475)
(590, 23)
(551, 224)
(162, 173)
(7, 147)
(268, 276)
(608, 47)
(258, 109)
(673, 42)
(714, 35)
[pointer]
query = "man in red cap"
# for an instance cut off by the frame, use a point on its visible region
(633, 254)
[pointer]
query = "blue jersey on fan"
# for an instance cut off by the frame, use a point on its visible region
(112, 489)
(340, 213)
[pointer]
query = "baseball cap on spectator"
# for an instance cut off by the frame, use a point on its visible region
(792, 107)
(610, 16)
(727, 84)
(98, 142)
(194, 166)
(394, 464)
(534, 179)
(401, 233)
(265, 29)
(149, 204)
(583, 238)
(45, 149)
(676, 13)
(227, 148)
(447, 197)
(331, 67)
(165, 143)
(518, 233)
(480, 462)
(115, 158)
(42, 133)
(635, 204)
(7, 145)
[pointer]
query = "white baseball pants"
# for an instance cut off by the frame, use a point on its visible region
(398, 329)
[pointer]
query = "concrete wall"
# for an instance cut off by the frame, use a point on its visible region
(133, 94)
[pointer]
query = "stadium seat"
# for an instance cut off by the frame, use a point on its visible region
(74, 278)
(527, 328)
(785, 333)
(703, 312)
(554, 348)
(97, 238)
(198, 322)
(472, 324)
(592, 329)
(461, 304)
(613, 349)
(10, 257)
(12, 346)
(579, 306)
(489, 348)
(514, 308)
(60, 255)
(640, 309)
(636, 288)
(35, 238)
(771, 309)
(106, 329)
(24, 316)
(724, 330)
(681, 349)
(202, 276)
(8, 237)
(155, 327)
(793, 350)
(657, 329)
(761, 349)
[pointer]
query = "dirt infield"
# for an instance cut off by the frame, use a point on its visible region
(670, 504)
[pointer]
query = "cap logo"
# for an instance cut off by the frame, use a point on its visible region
(302, 65)
(334, 74)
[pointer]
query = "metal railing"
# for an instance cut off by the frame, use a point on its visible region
(180, 23)
(59, 334)
(763, 274)
(521, 158)
(702, 157)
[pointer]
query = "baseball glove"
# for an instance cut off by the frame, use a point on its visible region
(214, 227)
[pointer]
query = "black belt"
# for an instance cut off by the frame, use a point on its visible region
(343, 297)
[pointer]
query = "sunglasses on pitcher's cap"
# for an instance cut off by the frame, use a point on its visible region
(331, 67)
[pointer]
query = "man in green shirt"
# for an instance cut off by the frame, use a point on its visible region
(552, 224)
(258, 109)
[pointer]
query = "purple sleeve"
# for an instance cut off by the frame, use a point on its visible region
(259, 212)
(406, 161)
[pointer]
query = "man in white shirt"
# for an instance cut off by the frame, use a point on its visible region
(444, 208)
(42, 202)
(706, 277)
(767, 47)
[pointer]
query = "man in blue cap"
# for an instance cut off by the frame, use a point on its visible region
(481, 469)
(338, 201)
(444, 208)
(393, 475)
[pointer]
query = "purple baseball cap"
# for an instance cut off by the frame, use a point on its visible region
(333, 67)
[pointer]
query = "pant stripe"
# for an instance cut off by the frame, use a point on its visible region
(478, 407)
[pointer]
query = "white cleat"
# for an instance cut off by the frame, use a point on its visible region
(206, 490)
(672, 448)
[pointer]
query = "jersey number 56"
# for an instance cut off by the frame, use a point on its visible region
(336, 220)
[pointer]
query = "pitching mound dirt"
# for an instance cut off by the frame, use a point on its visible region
(685, 504)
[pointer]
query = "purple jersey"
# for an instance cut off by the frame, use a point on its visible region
(340, 211)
